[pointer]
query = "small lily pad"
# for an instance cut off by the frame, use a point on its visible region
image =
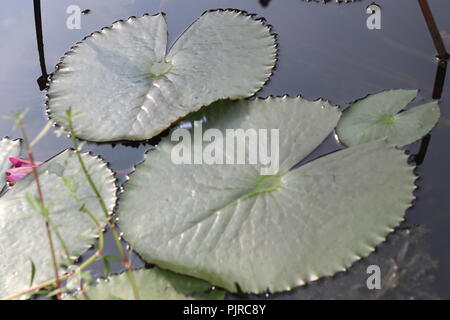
(8, 149)
(231, 226)
(23, 235)
(153, 284)
(378, 116)
(125, 86)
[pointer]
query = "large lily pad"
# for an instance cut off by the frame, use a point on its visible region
(377, 117)
(126, 87)
(23, 238)
(153, 284)
(8, 149)
(233, 227)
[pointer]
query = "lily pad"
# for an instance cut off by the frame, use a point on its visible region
(377, 117)
(126, 87)
(231, 226)
(153, 284)
(23, 238)
(8, 149)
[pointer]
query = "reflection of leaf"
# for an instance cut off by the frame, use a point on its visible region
(407, 271)
(22, 232)
(229, 225)
(377, 117)
(8, 149)
(126, 87)
(153, 284)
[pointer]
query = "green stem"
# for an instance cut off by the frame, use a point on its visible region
(84, 265)
(125, 260)
(41, 199)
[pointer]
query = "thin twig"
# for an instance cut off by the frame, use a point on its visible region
(434, 31)
(41, 199)
(125, 261)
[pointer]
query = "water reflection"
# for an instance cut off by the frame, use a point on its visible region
(264, 3)
(441, 71)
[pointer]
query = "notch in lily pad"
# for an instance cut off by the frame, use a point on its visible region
(380, 116)
(228, 225)
(128, 86)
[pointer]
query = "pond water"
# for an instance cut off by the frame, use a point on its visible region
(325, 50)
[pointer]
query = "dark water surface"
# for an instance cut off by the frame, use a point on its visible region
(324, 51)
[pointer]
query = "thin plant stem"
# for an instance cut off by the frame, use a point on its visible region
(434, 31)
(125, 260)
(41, 199)
(84, 265)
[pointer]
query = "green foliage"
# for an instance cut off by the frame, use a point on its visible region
(153, 284)
(377, 117)
(22, 218)
(127, 87)
(227, 224)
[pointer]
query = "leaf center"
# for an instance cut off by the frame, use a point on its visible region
(267, 184)
(160, 67)
(387, 119)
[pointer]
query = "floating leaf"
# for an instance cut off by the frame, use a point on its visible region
(229, 225)
(8, 149)
(377, 117)
(22, 232)
(153, 284)
(126, 87)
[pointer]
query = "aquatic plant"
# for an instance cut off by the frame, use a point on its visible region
(23, 238)
(153, 284)
(228, 225)
(22, 168)
(128, 88)
(378, 116)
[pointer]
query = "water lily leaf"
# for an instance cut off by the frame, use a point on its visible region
(126, 87)
(22, 232)
(231, 226)
(153, 284)
(377, 117)
(8, 149)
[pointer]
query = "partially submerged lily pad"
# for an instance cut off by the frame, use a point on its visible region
(126, 87)
(153, 284)
(8, 149)
(377, 117)
(231, 226)
(23, 238)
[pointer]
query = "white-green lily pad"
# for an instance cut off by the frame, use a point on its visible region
(231, 226)
(377, 117)
(8, 149)
(153, 284)
(23, 238)
(125, 86)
